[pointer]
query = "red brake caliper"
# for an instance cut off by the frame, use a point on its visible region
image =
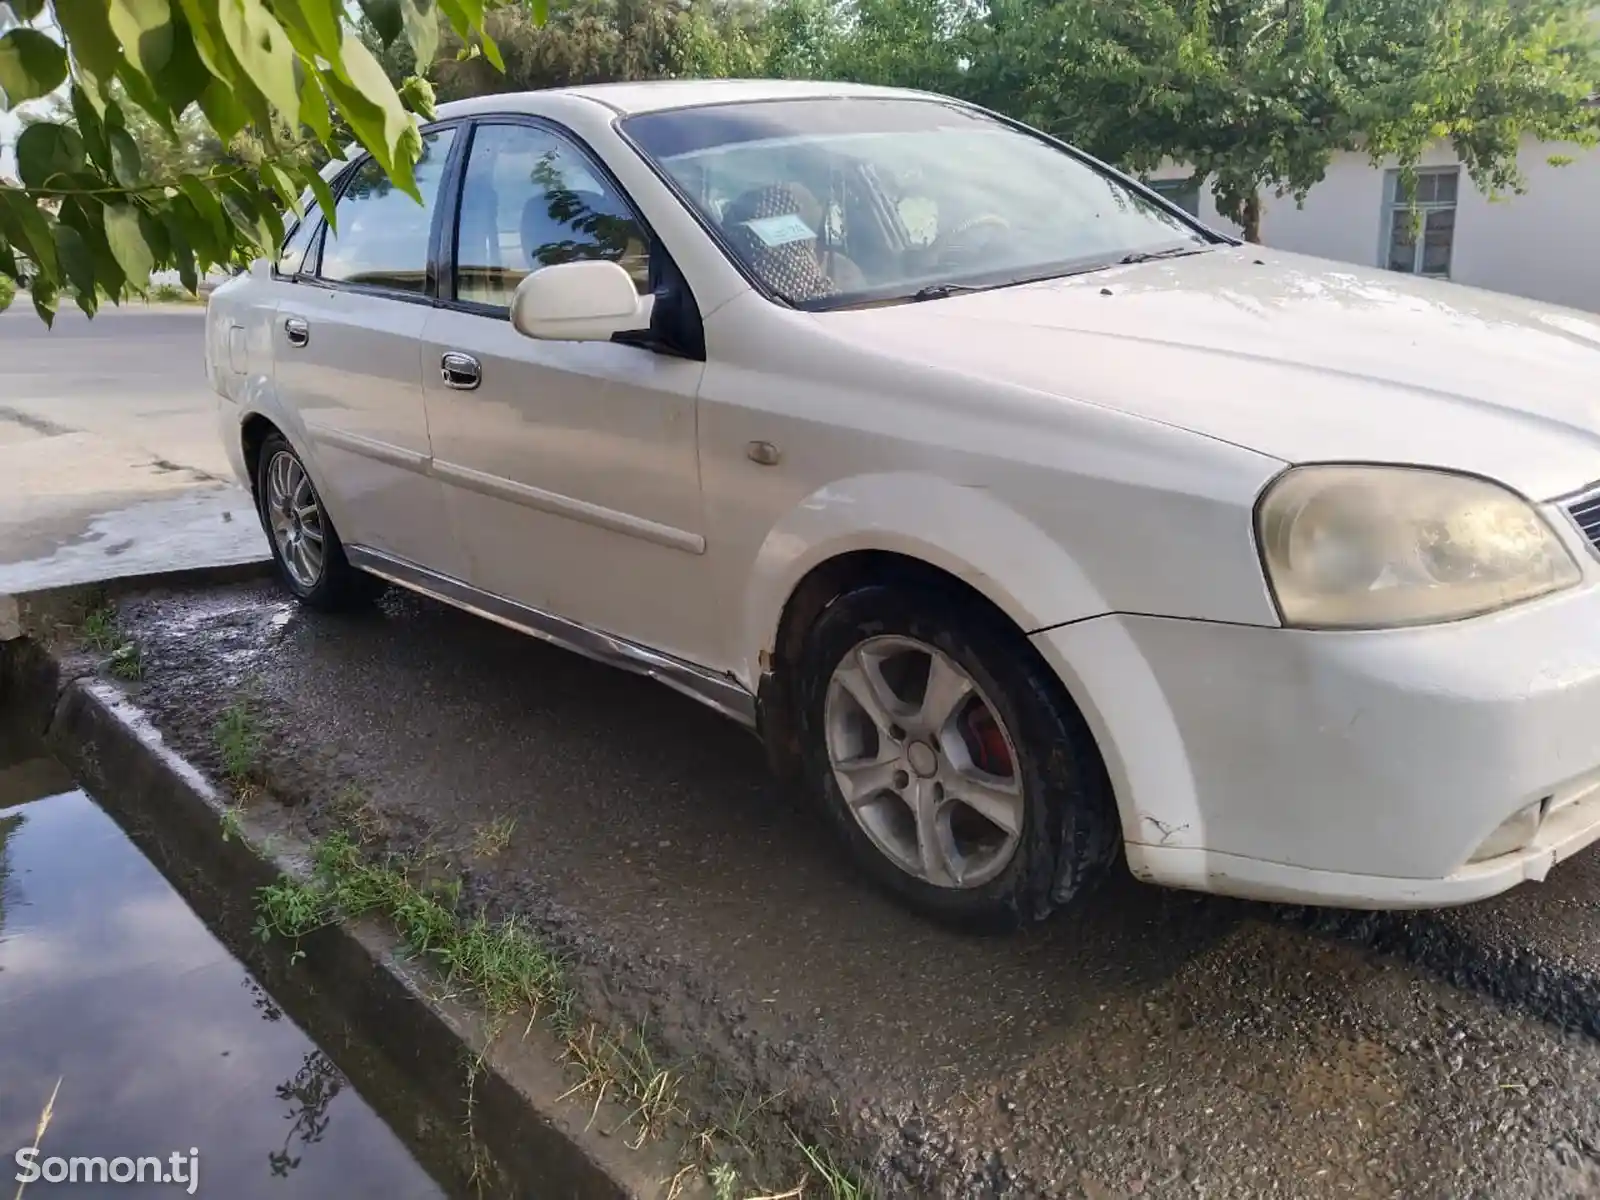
(985, 742)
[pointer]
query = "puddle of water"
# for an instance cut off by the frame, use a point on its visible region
(161, 1040)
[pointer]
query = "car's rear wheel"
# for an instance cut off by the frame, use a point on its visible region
(950, 759)
(305, 545)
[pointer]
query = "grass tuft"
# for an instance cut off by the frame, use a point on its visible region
(238, 738)
(99, 630)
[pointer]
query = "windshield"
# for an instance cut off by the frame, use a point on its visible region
(837, 201)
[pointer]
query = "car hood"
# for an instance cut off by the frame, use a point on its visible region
(1294, 357)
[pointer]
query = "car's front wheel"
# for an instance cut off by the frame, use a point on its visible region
(305, 545)
(950, 759)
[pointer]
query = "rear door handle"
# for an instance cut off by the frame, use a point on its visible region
(460, 371)
(297, 330)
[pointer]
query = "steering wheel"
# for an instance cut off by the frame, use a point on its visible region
(958, 242)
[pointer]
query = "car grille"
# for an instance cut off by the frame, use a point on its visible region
(1586, 512)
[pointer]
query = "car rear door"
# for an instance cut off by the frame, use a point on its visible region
(346, 354)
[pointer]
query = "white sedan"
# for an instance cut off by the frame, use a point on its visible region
(1023, 517)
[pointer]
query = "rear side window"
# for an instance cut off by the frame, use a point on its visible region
(383, 234)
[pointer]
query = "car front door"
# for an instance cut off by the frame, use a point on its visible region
(571, 469)
(345, 348)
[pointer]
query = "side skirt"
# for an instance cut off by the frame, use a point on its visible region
(720, 692)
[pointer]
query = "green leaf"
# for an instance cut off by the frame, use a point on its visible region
(91, 128)
(314, 107)
(208, 210)
(32, 64)
(421, 30)
(142, 93)
(46, 151)
(46, 299)
(324, 194)
(185, 75)
(87, 217)
(417, 95)
(264, 52)
(28, 229)
(492, 51)
(222, 109)
(369, 103)
(144, 27)
(128, 246)
(280, 183)
(88, 31)
(386, 17)
(126, 163)
(77, 261)
(317, 21)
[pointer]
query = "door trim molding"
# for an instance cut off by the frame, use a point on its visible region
(384, 452)
(719, 692)
(555, 503)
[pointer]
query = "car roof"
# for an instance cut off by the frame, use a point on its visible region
(628, 99)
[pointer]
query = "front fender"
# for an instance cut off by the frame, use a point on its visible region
(964, 530)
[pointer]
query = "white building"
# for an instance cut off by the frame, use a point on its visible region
(1544, 243)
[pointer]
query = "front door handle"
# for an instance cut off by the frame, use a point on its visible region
(297, 330)
(460, 371)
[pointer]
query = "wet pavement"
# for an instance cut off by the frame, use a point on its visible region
(110, 453)
(1147, 1043)
(152, 1038)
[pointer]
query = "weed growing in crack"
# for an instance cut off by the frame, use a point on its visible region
(127, 662)
(625, 1072)
(99, 629)
(101, 633)
(232, 823)
(491, 838)
(724, 1179)
(238, 738)
(837, 1183)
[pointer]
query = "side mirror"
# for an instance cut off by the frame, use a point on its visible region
(579, 302)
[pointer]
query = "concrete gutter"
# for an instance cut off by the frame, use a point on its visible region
(538, 1142)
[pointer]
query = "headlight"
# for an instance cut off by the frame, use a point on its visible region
(1350, 547)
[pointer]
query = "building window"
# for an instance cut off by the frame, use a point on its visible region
(1182, 192)
(1420, 242)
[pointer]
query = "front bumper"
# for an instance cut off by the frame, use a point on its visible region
(1352, 768)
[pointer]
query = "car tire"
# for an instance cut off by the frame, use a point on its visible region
(1045, 826)
(305, 545)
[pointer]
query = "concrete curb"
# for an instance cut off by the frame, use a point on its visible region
(40, 613)
(541, 1144)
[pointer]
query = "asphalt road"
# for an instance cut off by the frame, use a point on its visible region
(1147, 1043)
(110, 462)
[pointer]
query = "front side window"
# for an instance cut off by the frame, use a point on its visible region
(530, 199)
(1422, 229)
(1185, 193)
(383, 234)
(291, 259)
(841, 200)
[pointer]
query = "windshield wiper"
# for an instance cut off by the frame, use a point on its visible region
(938, 291)
(1143, 256)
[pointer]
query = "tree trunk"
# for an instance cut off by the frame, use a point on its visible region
(1252, 218)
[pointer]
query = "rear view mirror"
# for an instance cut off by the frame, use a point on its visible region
(579, 302)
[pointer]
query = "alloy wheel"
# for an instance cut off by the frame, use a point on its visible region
(295, 517)
(924, 762)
